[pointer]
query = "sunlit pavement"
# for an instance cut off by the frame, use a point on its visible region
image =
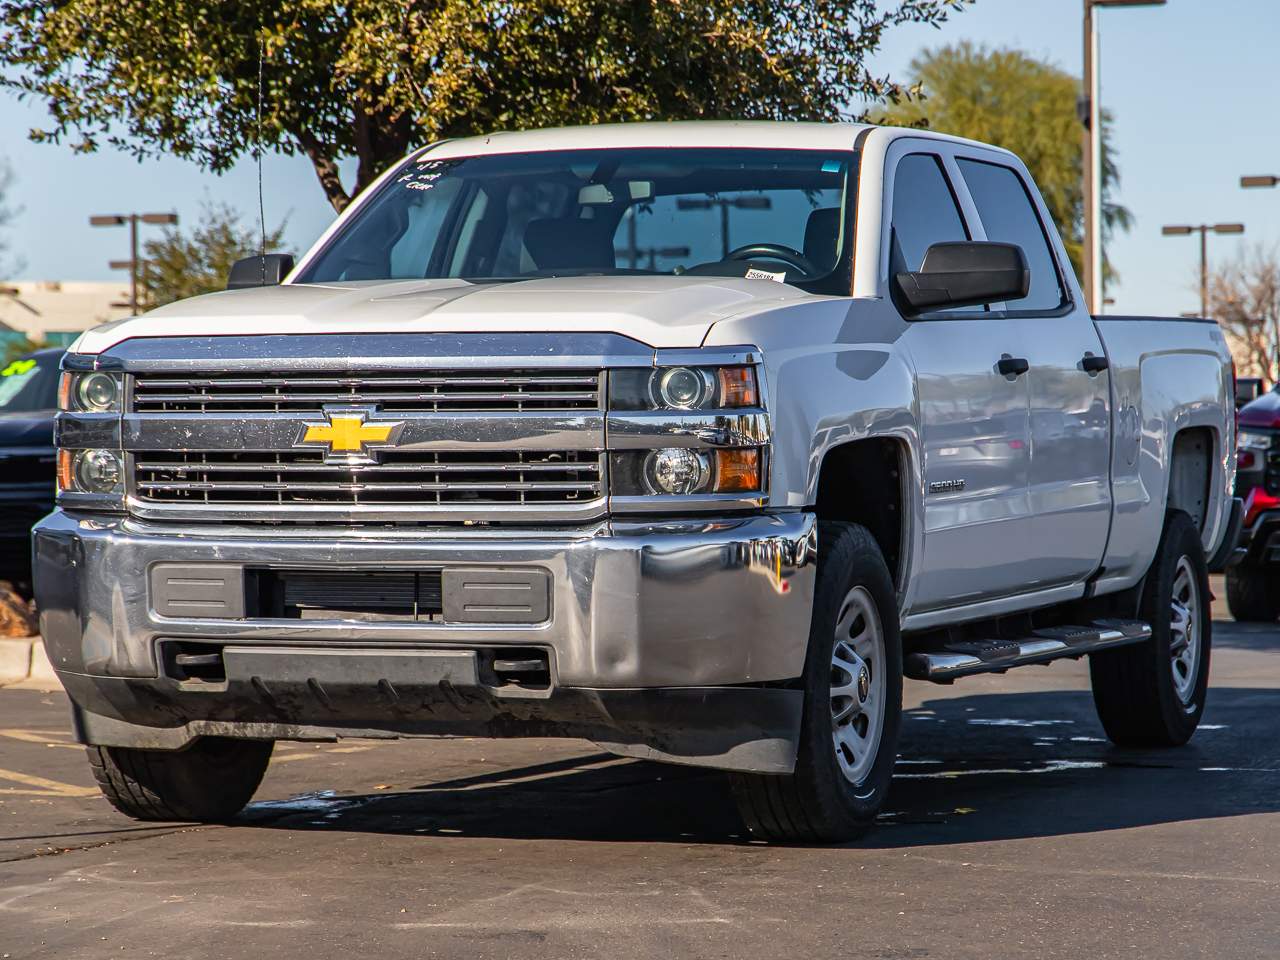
(1014, 830)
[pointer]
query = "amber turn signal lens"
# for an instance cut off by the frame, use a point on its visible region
(737, 471)
(64, 391)
(738, 387)
(65, 458)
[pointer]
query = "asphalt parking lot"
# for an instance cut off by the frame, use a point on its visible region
(1014, 830)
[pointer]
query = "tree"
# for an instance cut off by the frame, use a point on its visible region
(1244, 297)
(1010, 99)
(370, 78)
(180, 265)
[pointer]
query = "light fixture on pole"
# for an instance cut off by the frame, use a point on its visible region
(132, 219)
(1091, 114)
(1204, 230)
(1264, 181)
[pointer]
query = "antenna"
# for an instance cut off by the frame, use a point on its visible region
(262, 216)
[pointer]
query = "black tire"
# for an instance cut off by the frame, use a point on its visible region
(208, 782)
(818, 803)
(1253, 593)
(1136, 688)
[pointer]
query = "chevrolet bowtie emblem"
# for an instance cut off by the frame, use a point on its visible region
(348, 435)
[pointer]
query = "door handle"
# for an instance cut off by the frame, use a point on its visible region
(1012, 366)
(1094, 365)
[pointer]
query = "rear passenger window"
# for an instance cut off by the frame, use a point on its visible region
(924, 211)
(1009, 216)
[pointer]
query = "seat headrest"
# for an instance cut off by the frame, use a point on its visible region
(569, 242)
(822, 237)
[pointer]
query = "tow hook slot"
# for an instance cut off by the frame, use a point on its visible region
(194, 664)
(519, 668)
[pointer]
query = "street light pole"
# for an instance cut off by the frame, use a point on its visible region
(132, 264)
(1204, 230)
(1094, 280)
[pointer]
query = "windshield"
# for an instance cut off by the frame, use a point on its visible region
(774, 214)
(29, 384)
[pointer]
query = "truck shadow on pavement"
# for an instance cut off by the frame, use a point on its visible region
(972, 769)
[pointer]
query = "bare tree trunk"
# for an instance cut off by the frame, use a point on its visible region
(326, 170)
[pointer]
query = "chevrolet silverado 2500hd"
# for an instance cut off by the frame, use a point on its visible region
(689, 439)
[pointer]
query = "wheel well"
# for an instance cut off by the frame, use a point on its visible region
(861, 482)
(1191, 472)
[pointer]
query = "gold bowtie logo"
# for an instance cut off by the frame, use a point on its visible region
(349, 434)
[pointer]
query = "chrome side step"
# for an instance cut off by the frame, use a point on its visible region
(964, 658)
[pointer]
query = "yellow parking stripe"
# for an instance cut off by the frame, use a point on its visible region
(46, 788)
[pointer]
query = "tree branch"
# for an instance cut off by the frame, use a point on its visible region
(326, 169)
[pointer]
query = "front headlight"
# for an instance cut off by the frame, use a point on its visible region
(95, 472)
(684, 388)
(94, 391)
(686, 472)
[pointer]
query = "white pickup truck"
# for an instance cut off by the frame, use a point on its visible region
(689, 439)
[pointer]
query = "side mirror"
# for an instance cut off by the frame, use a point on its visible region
(260, 271)
(965, 274)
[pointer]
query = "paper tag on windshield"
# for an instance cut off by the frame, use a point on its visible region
(755, 273)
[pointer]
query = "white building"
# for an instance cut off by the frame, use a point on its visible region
(44, 309)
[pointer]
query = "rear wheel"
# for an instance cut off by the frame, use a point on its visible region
(1253, 593)
(210, 781)
(853, 704)
(1152, 694)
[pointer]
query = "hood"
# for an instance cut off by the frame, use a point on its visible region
(1263, 412)
(658, 311)
(27, 429)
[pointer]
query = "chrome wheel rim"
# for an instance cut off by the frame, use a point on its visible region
(857, 685)
(1184, 630)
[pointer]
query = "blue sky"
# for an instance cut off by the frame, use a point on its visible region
(1192, 85)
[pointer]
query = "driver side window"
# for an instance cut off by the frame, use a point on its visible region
(924, 211)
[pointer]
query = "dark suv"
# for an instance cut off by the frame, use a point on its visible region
(28, 403)
(1253, 585)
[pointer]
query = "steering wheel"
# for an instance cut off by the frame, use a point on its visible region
(775, 251)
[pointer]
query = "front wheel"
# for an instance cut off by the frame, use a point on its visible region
(208, 782)
(853, 704)
(1152, 694)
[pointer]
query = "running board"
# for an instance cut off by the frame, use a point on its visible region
(963, 658)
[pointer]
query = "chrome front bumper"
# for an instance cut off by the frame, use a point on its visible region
(659, 633)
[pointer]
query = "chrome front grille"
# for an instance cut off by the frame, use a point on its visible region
(398, 392)
(302, 478)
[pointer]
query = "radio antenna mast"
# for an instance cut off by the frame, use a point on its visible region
(262, 216)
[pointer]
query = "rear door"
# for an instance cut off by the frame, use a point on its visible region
(1070, 422)
(975, 432)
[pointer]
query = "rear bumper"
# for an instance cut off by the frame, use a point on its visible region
(660, 637)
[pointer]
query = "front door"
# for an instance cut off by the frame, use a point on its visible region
(974, 420)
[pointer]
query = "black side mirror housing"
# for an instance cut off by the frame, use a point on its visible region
(965, 274)
(262, 271)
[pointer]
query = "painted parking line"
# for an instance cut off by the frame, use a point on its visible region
(318, 753)
(41, 736)
(33, 786)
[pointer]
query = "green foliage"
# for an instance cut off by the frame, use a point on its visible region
(180, 265)
(1010, 99)
(370, 78)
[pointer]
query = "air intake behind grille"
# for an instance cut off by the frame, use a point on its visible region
(300, 477)
(369, 595)
(515, 390)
